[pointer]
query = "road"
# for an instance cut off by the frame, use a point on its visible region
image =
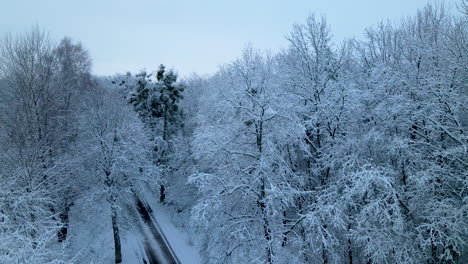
(161, 252)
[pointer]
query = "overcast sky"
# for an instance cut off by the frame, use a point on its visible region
(188, 35)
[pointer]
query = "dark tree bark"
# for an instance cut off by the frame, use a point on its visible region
(324, 254)
(266, 229)
(165, 127)
(162, 194)
(350, 252)
(62, 233)
(117, 245)
(350, 245)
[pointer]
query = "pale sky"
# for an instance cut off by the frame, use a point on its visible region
(188, 36)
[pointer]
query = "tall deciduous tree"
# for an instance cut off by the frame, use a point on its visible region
(72, 78)
(117, 155)
(242, 151)
(28, 128)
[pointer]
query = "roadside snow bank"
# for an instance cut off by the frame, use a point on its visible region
(178, 239)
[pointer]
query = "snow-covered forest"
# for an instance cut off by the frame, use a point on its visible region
(324, 152)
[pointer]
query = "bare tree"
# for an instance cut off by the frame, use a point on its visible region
(26, 64)
(116, 151)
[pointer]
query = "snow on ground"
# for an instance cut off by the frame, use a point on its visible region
(132, 247)
(91, 240)
(179, 239)
(90, 234)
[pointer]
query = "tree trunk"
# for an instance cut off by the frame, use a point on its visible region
(350, 245)
(285, 238)
(162, 194)
(62, 233)
(117, 245)
(266, 227)
(165, 128)
(324, 248)
(267, 233)
(33, 232)
(324, 254)
(162, 191)
(369, 258)
(433, 250)
(261, 202)
(350, 252)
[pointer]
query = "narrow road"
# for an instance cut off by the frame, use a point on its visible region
(162, 253)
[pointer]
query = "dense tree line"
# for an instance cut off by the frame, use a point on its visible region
(320, 153)
(348, 154)
(64, 136)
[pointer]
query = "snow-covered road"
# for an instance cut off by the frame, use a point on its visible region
(159, 252)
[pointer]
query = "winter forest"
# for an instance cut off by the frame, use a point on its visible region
(324, 152)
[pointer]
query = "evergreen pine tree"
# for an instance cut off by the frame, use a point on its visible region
(165, 104)
(157, 102)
